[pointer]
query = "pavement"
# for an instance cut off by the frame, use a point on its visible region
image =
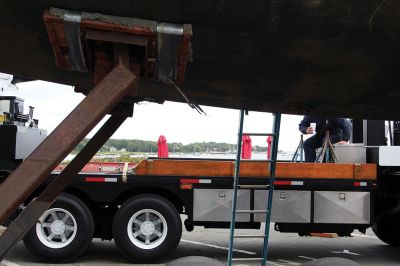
(285, 249)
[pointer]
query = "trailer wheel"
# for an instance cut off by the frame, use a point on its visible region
(146, 228)
(387, 229)
(63, 232)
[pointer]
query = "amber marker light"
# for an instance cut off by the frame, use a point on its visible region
(186, 186)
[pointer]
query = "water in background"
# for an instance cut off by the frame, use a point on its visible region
(282, 155)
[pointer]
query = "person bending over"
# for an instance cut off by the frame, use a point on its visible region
(339, 132)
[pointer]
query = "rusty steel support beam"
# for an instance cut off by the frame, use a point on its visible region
(37, 167)
(80, 160)
(30, 215)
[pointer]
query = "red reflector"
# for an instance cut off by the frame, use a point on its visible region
(95, 179)
(186, 186)
(283, 183)
(191, 181)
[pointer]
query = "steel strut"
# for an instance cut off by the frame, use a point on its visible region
(30, 215)
(38, 166)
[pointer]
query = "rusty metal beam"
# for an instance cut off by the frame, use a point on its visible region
(37, 167)
(28, 218)
(87, 153)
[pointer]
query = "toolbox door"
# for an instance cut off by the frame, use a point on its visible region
(288, 206)
(214, 205)
(342, 207)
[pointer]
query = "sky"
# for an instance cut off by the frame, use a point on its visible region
(176, 121)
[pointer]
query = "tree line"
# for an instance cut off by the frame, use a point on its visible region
(136, 145)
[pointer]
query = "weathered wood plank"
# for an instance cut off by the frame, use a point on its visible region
(257, 169)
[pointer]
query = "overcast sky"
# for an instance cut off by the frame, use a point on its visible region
(176, 121)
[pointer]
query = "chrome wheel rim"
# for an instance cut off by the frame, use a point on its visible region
(147, 229)
(56, 228)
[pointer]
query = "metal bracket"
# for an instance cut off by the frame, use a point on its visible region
(150, 167)
(169, 37)
(357, 171)
(72, 21)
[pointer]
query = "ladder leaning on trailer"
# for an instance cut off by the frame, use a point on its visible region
(236, 185)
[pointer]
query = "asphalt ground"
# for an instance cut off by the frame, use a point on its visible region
(285, 249)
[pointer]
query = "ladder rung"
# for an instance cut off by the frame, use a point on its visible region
(260, 134)
(255, 186)
(249, 236)
(251, 211)
(247, 259)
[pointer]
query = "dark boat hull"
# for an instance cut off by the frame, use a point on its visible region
(328, 57)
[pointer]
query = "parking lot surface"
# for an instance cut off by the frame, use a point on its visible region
(285, 249)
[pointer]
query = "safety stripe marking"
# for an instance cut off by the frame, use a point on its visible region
(289, 183)
(195, 181)
(360, 184)
(102, 179)
(297, 183)
(283, 183)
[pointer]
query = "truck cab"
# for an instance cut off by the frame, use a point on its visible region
(20, 130)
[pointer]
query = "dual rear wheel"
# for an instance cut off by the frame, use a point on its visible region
(145, 228)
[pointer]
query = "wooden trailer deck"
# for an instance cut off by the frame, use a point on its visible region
(219, 168)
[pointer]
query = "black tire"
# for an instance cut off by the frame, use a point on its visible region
(387, 229)
(151, 217)
(77, 237)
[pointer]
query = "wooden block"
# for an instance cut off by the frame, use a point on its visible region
(324, 235)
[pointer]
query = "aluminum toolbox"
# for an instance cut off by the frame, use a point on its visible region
(214, 205)
(341, 207)
(351, 153)
(288, 206)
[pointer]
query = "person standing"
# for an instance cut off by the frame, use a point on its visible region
(339, 132)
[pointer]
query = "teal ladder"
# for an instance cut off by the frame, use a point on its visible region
(270, 187)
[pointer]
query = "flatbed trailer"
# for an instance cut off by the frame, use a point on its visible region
(141, 210)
